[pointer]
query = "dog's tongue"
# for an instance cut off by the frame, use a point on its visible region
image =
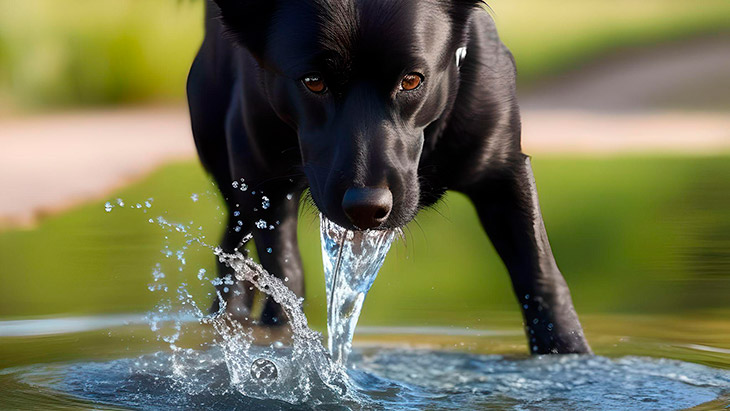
(351, 262)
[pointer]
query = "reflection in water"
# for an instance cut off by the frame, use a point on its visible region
(398, 379)
(651, 239)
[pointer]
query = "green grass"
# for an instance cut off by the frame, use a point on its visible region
(57, 53)
(60, 53)
(632, 235)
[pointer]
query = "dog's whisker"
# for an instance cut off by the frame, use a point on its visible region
(436, 208)
(270, 180)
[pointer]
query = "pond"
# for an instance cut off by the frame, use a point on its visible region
(643, 241)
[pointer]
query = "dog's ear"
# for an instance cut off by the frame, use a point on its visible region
(461, 9)
(247, 22)
(472, 3)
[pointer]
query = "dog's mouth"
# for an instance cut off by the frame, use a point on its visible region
(358, 208)
(355, 232)
(339, 217)
(351, 261)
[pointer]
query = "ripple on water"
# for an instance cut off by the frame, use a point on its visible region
(401, 379)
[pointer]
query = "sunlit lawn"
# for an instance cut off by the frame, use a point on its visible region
(631, 234)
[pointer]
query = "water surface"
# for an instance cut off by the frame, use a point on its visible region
(436, 374)
(644, 243)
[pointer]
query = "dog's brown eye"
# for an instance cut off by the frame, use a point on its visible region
(411, 82)
(315, 84)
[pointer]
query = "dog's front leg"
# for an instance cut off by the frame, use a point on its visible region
(508, 207)
(275, 235)
(238, 295)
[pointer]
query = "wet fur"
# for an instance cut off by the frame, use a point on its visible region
(460, 131)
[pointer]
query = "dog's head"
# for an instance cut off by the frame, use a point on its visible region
(359, 80)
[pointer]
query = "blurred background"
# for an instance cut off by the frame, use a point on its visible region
(625, 111)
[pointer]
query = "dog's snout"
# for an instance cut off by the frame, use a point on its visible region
(367, 207)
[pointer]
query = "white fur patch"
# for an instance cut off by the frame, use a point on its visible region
(460, 55)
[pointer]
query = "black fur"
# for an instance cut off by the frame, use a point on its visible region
(253, 118)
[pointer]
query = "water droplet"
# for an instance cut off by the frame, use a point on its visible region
(269, 250)
(264, 371)
(157, 274)
(265, 203)
(289, 196)
(108, 207)
(194, 197)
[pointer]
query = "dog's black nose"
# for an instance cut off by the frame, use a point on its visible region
(367, 207)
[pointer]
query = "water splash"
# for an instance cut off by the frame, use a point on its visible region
(351, 262)
(302, 372)
(298, 373)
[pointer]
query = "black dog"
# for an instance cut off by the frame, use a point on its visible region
(379, 107)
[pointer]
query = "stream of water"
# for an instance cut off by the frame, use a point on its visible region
(351, 262)
(304, 371)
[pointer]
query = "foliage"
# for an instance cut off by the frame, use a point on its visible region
(57, 53)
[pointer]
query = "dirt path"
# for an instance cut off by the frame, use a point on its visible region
(49, 163)
(596, 133)
(671, 98)
(692, 75)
